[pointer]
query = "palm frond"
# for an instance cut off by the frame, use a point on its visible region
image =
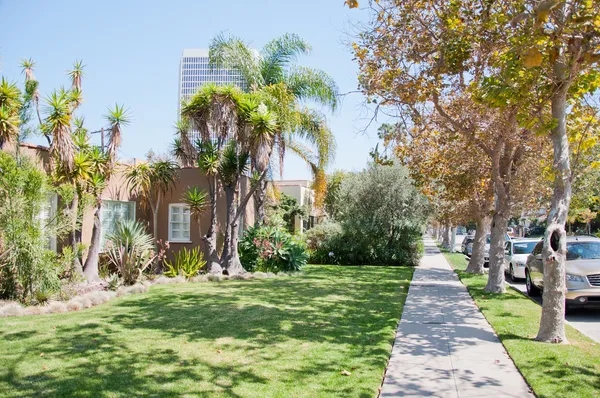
(197, 199)
(278, 54)
(313, 85)
(76, 75)
(28, 65)
(58, 124)
(9, 125)
(117, 117)
(232, 53)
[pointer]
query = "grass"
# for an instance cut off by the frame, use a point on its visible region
(552, 370)
(289, 336)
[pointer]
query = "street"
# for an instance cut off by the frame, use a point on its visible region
(585, 320)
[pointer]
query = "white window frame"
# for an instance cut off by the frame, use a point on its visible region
(179, 240)
(102, 231)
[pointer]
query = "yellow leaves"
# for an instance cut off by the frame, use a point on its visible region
(532, 58)
(542, 11)
(351, 3)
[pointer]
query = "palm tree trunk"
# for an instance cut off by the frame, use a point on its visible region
(74, 210)
(230, 205)
(155, 229)
(260, 196)
(552, 324)
(213, 265)
(90, 268)
(232, 262)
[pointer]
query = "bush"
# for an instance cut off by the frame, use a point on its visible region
(28, 269)
(187, 263)
(131, 251)
(380, 220)
(271, 249)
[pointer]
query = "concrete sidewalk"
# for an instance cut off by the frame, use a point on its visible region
(444, 347)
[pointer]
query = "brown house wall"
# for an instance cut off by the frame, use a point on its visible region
(187, 177)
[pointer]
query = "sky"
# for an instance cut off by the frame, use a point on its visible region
(132, 50)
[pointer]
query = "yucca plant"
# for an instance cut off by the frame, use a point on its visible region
(131, 250)
(187, 263)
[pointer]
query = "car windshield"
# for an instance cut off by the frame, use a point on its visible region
(583, 250)
(524, 247)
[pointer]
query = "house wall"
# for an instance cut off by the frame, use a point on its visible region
(117, 190)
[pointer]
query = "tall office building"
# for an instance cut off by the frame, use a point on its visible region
(195, 71)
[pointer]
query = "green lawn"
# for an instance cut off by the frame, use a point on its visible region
(551, 370)
(282, 337)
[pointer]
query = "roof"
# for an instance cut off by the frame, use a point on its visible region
(288, 183)
(33, 146)
(528, 239)
(582, 238)
(195, 52)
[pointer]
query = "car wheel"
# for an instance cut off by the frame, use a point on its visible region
(512, 274)
(532, 290)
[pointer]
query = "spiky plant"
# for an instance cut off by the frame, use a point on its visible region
(27, 66)
(76, 75)
(198, 201)
(58, 125)
(117, 117)
(9, 125)
(182, 147)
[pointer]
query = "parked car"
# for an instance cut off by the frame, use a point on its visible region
(583, 271)
(516, 252)
(486, 250)
(467, 245)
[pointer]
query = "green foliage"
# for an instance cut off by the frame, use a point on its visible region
(27, 266)
(286, 209)
(131, 250)
(332, 197)
(380, 220)
(114, 281)
(187, 263)
(271, 249)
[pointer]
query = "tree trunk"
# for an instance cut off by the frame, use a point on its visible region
(475, 265)
(496, 280)
(230, 203)
(74, 210)
(552, 324)
(233, 263)
(452, 239)
(446, 236)
(213, 265)
(90, 268)
(260, 197)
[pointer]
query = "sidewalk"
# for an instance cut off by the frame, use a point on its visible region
(444, 347)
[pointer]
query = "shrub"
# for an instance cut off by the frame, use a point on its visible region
(380, 217)
(187, 263)
(131, 250)
(27, 267)
(271, 249)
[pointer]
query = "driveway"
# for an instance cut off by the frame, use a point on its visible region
(585, 320)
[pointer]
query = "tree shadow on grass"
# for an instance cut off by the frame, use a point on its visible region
(165, 343)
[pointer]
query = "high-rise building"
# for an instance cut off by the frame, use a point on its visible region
(194, 71)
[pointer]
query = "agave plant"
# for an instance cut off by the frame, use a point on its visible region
(187, 263)
(131, 250)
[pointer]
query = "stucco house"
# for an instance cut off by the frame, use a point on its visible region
(174, 222)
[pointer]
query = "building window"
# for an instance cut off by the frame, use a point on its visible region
(113, 212)
(47, 219)
(179, 222)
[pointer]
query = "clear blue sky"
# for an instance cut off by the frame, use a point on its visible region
(131, 50)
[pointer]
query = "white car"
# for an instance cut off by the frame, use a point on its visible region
(516, 252)
(486, 250)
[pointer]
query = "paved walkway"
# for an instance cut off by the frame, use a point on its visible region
(444, 347)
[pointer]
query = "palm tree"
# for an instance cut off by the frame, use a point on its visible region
(10, 104)
(106, 164)
(182, 147)
(27, 66)
(76, 74)
(58, 125)
(273, 72)
(198, 202)
(151, 182)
